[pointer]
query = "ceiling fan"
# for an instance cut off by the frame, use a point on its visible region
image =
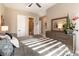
(30, 4)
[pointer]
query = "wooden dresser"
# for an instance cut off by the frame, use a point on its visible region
(61, 36)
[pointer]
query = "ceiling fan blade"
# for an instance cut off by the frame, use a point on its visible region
(30, 5)
(38, 5)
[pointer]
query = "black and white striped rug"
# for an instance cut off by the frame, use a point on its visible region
(47, 47)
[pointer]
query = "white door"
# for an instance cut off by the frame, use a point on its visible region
(21, 25)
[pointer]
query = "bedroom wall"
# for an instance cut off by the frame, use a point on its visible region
(11, 18)
(60, 10)
(44, 24)
(1, 9)
(1, 14)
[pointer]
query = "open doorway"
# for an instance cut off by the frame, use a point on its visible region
(31, 26)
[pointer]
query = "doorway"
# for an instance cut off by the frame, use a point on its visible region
(31, 26)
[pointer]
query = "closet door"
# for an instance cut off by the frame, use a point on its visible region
(21, 30)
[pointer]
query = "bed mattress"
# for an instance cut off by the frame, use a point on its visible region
(47, 47)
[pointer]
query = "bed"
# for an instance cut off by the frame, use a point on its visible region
(46, 47)
(8, 43)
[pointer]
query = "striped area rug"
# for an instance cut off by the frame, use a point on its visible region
(47, 47)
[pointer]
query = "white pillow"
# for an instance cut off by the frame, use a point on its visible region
(8, 37)
(15, 42)
(5, 36)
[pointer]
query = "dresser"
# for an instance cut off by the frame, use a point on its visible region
(61, 36)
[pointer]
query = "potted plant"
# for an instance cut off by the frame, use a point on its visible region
(68, 26)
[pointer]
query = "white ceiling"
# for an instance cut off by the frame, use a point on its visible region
(34, 8)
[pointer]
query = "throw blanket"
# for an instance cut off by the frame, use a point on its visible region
(47, 47)
(8, 43)
(6, 48)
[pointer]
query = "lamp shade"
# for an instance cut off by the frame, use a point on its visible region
(60, 25)
(4, 28)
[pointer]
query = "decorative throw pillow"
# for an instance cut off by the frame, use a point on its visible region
(15, 42)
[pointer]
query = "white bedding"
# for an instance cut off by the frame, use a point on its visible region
(47, 47)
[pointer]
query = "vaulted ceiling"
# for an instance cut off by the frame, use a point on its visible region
(34, 8)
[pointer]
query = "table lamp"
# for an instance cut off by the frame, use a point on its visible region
(60, 26)
(4, 28)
